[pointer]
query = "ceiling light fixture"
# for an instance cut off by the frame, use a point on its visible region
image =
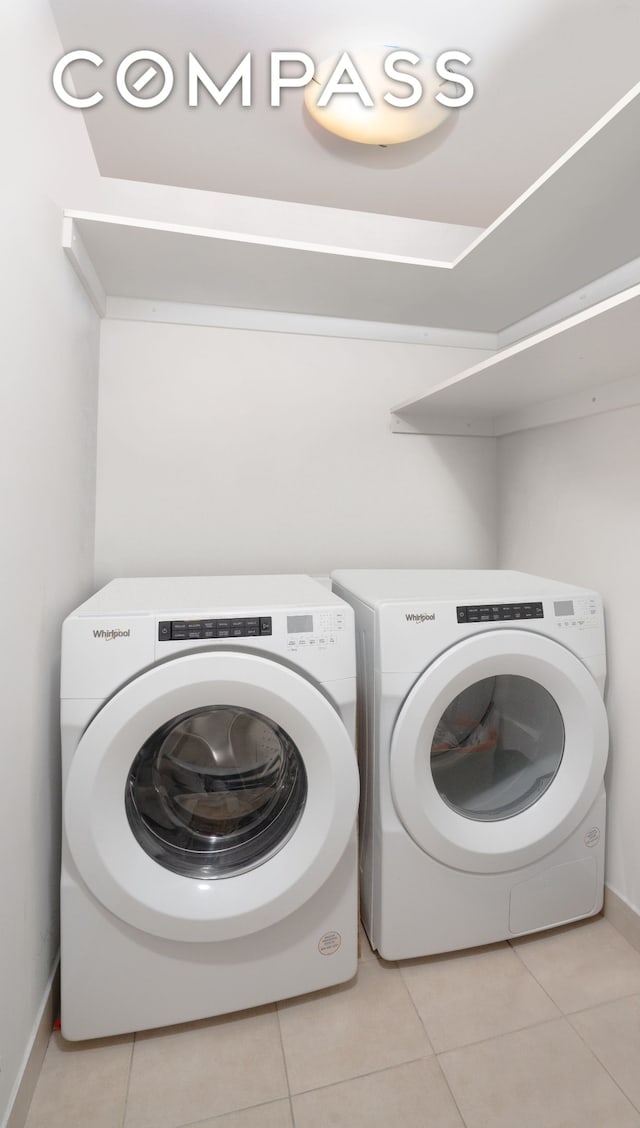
(377, 96)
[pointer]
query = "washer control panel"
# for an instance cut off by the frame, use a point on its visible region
(319, 630)
(499, 612)
(179, 629)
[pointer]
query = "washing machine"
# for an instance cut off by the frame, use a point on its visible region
(483, 740)
(210, 789)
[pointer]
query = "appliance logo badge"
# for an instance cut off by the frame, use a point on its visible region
(108, 636)
(421, 617)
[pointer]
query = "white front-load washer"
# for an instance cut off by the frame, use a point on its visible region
(483, 740)
(210, 793)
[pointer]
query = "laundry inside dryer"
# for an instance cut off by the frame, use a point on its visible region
(497, 747)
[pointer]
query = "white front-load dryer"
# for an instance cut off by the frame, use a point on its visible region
(483, 742)
(210, 792)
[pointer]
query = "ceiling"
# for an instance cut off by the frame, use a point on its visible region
(544, 71)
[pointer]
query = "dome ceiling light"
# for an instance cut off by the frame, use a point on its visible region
(384, 95)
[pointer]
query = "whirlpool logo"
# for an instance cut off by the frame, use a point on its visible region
(109, 636)
(420, 617)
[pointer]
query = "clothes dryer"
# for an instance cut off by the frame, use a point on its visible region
(210, 796)
(483, 742)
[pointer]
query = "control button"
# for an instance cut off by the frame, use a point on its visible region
(164, 632)
(208, 633)
(265, 626)
(237, 632)
(252, 623)
(223, 633)
(178, 630)
(253, 631)
(222, 624)
(462, 614)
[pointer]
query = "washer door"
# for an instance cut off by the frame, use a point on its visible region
(211, 797)
(498, 751)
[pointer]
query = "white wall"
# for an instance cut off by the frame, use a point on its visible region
(569, 504)
(48, 351)
(224, 450)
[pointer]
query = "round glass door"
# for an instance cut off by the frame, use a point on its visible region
(497, 747)
(498, 751)
(212, 764)
(215, 792)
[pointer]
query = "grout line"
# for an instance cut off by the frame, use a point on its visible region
(593, 1053)
(286, 1068)
(128, 1086)
(220, 1116)
(578, 1010)
(604, 1003)
(417, 1012)
(501, 1034)
(361, 1076)
(451, 1092)
(535, 978)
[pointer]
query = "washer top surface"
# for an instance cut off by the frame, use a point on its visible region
(196, 594)
(375, 587)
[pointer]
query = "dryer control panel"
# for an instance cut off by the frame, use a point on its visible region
(499, 612)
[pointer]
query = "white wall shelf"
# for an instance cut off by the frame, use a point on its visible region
(583, 366)
(578, 222)
(571, 240)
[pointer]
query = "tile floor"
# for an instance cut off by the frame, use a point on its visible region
(544, 1031)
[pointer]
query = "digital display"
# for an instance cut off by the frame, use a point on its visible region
(563, 607)
(299, 624)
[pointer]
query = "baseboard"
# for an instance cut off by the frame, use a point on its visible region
(34, 1056)
(622, 917)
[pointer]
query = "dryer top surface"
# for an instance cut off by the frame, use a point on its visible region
(375, 587)
(200, 594)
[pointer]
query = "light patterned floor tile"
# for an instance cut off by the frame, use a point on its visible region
(414, 1095)
(275, 1115)
(82, 1083)
(356, 1028)
(582, 965)
(185, 1074)
(612, 1031)
(543, 1077)
(469, 996)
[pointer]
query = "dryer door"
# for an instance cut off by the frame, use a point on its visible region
(498, 751)
(211, 797)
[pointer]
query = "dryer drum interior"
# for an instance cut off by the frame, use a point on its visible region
(497, 747)
(215, 792)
